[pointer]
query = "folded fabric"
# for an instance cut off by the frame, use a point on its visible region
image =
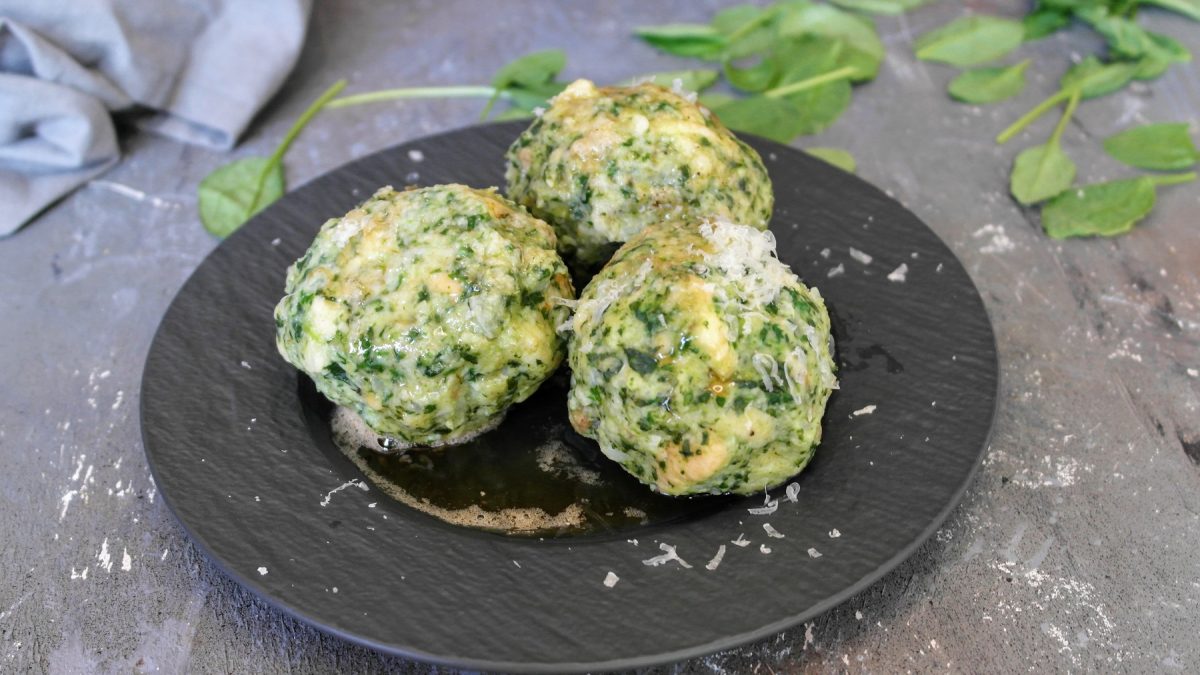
(202, 68)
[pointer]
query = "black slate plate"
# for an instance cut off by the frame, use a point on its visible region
(235, 452)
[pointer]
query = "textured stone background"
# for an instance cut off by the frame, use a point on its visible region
(1075, 549)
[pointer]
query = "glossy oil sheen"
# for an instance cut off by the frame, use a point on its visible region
(533, 460)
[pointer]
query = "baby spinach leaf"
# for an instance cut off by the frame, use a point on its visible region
(529, 80)
(1040, 173)
(835, 156)
(988, 85)
(1094, 78)
(514, 113)
(1125, 38)
(814, 97)
(747, 29)
(404, 93)
(1163, 147)
(774, 118)
(1069, 5)
(1101, 209)
(970, 40)
(684, 39)
(527, 99)
(888, 7)
(235, 192)
(739, 18)
(756, 78)
(804, 57)
(1090, 77)
(863, 51)
(1044, 171)
(1042, 22)
(531, 71)
(1188, 8)
(1161, 52)
(715, 100)
(791, 60)
(818, 107)
(232, 194)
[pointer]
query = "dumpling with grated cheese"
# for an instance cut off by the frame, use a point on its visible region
(699, 362)
(603, 162)
(427, 312)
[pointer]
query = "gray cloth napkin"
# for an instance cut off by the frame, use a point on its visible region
(203, 67)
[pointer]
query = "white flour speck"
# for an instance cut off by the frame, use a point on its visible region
(834, 534)
(262, 571)
(716, 560)
(246, 365)
(825, 253)
(764, 549)
(772, 532)
(276, 241)
(999, 242)
(416, 155)
(517, 564)
(840, 269)
(668, 555)
(66, 503)
(611, 579)
(126, 561)
(1193, 372)
(741, 541)
(860, 256)
(104, 557)
(899, 274)
(865, 410)
(858, 615)
(814, 553)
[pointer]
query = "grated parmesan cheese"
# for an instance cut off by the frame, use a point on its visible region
(668, 555)
(860, 256)
(716, 560)
(746, 256)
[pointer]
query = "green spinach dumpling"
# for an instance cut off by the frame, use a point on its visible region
(427, 312)
(602, 163)
(699, 362)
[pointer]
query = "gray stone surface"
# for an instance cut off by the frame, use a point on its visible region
(1076, 548)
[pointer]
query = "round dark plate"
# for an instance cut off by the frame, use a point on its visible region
(231, 441)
